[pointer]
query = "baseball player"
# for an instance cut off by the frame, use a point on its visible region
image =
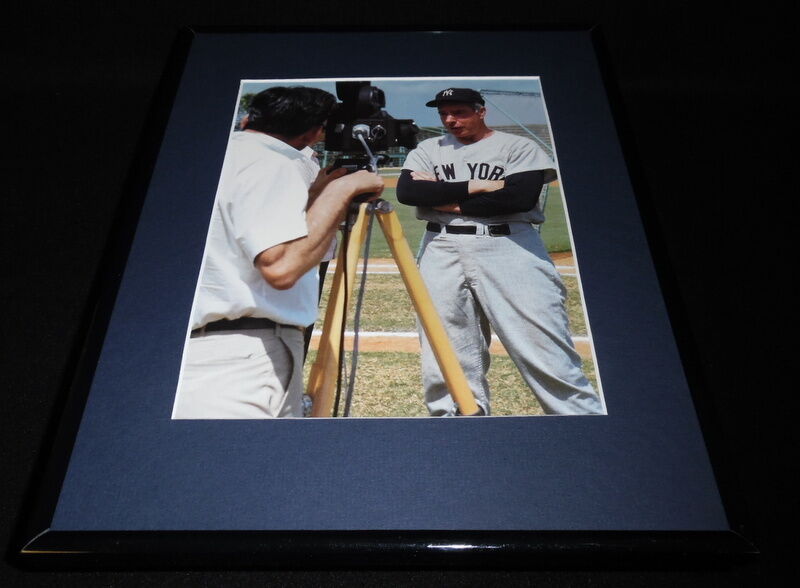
(257, 291)
(484, 263)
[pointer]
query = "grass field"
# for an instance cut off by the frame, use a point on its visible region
(389, 383)
(388, 308)
(554, 230)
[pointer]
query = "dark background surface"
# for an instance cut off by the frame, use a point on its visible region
(704, 98)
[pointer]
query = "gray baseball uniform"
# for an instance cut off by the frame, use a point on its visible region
(505, 282)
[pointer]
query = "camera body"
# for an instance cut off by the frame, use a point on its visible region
(361, 113)
(354, 163)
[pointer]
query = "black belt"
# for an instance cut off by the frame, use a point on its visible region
(493, 230)
(242, 324)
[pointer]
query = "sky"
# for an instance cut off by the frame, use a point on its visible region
(406, 97)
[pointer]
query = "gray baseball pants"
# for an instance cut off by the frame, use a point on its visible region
(510, 284)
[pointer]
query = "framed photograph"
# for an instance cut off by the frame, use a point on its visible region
(540, 258)
(503, 381)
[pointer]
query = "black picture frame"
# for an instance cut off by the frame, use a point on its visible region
(81, 517)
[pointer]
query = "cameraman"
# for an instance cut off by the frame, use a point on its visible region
(257, 288)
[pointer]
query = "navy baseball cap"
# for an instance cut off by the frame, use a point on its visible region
(456, 95)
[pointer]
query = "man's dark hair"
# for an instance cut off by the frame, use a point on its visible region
(289, 111)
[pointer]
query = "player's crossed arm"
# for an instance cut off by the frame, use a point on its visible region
(485, 198)
(418, 188)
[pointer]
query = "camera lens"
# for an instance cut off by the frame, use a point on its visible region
(377, 132)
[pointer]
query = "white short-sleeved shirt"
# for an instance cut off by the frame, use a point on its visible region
(309, 167)
(261, 202)
(492, 158)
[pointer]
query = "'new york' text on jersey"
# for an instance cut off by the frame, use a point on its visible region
(492, 158)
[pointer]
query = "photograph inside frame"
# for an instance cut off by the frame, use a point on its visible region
(389, 248)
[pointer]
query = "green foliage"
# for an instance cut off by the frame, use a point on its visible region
(244, 103)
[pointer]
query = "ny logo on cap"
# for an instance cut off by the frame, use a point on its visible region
(447, 92)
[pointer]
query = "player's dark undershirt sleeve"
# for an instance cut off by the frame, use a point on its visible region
(520, 194)
(424, 193)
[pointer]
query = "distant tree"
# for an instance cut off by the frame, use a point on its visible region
(244, 106)
(244, 103)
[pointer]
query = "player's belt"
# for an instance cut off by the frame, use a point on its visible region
(493, 230)
(245, 323)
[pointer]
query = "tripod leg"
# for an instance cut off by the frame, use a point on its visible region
(442, 348)
(322, 378)
(327, 346)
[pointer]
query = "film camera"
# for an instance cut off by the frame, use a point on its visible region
(360, 127)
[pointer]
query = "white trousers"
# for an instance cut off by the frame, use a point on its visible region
(251, 374)
(510, 284)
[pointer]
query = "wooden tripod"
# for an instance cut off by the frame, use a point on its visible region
(322, 379)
